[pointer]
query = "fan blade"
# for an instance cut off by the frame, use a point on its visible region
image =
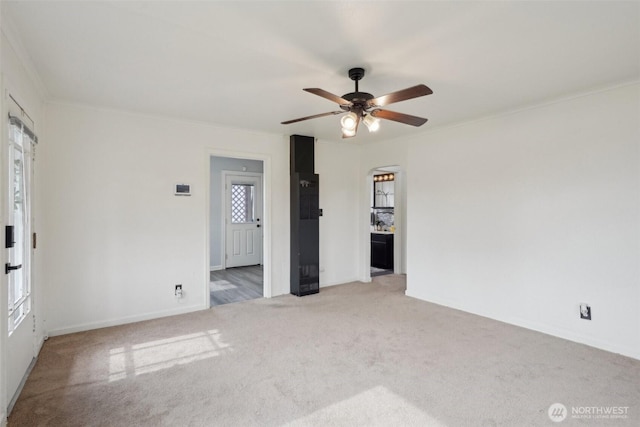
(399, 117)
(328, 95)
(315, 116)
(401, 95)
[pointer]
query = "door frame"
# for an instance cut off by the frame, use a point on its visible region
(399, 217)
(267, 185)
(223, 243)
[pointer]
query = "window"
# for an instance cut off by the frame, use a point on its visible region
(242, 203)
(19, 293)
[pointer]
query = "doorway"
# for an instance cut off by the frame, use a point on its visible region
(242, 210)
(386, 235)
(237, 227)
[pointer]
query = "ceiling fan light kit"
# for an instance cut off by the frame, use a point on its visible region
(372, 123)
(349, 121)
(363, 106)
(348, 133)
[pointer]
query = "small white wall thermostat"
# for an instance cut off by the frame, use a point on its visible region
(183, 190)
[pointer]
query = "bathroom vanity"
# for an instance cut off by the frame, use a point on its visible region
(382, 250)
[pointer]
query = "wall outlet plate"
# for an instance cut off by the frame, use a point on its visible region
(183, 190)
(585, 311)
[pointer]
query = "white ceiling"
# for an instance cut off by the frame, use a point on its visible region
(244, 63)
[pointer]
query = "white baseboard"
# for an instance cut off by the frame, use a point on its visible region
(338, 282)
(39, 343)
(215, 268)
(15, 397)
(124, 320)
(538, 327)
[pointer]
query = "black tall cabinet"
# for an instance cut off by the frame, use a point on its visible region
(305, 216)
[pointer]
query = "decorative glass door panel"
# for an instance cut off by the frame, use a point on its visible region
(18, 256)
(242, 203)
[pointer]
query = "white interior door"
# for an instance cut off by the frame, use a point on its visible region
(21, 334)
(243, 226)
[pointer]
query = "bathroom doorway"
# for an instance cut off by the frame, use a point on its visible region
(386, 221)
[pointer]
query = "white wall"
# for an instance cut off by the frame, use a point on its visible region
(217, 166)
(116, 238)
(522, 217)
(337, 163)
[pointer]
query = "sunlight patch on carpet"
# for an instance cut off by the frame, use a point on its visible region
(163, 354)
(376, 406)
(221, 285)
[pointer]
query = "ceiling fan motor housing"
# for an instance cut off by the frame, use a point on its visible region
(358, 99)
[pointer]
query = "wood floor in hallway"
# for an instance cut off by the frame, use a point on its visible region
(235, 285)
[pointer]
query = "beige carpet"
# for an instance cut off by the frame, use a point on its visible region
(353, 355)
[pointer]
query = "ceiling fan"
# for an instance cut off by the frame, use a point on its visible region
(362, 106)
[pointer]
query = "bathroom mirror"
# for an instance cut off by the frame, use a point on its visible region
(383, 189)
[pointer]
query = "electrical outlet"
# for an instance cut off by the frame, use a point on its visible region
(178, 291)
(585, 311)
